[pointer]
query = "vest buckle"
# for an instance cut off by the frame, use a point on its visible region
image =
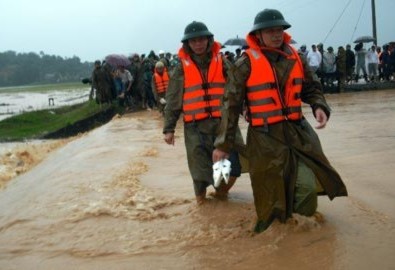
(286, 111)
(205, 85)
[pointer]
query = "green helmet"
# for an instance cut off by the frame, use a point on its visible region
(196, 29)
(269, 18)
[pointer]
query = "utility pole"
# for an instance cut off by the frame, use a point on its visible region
(374, 22)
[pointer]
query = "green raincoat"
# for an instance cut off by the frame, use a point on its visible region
(276, 154)
(199, 136)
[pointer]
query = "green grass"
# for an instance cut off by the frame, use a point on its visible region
(45, 87)
(35, 124)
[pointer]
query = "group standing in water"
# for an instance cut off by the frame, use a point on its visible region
(268, 83)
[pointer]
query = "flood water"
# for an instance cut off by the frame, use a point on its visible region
(13, 103)
(120, 198)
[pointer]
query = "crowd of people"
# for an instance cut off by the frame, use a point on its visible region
(142, 84)
(266, 82)
(348, 65)
(345, 66)
(135, 86)
(267, 85)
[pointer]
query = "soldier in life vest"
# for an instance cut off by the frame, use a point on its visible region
(287, 165)
(195, 89)
(160, 81)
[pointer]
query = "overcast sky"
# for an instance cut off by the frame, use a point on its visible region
(91, 29)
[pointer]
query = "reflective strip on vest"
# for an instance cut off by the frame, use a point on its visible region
(298, 81)
(204, 86)
(201, 99)
(263, 86)
(264, 103)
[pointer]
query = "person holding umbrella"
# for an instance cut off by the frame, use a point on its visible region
(360, 54)
(287, 165)
(195, 89)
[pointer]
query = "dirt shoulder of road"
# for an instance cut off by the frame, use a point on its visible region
(18, 158)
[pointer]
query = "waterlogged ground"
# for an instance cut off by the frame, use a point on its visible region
(16, 102)
(120, 198)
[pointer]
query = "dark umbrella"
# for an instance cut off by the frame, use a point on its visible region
(236, 42)
(364, 39)
(117, 60)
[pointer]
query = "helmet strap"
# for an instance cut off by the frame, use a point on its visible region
(259, 37)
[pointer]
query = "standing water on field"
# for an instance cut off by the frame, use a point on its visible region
(17, 102)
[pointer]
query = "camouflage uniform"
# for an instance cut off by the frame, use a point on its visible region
(136, 70)
(350, 63)
(104, 82)
(341, 68)
(95, 73)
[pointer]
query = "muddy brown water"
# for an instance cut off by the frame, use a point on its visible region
(120, 198)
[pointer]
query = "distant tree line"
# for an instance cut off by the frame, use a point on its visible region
(32, 68)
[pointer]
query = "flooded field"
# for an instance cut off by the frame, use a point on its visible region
(16, 102)
(120, 198)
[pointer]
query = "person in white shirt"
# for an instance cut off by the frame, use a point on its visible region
(373, 61)
(314, 58)
(360, 55)
(126, 79)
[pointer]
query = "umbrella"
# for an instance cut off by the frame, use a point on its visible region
(236, 42)
(364, 39)
(117, 60)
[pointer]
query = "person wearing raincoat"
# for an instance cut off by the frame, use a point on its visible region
(159, 83)
(195, 89)
(287, 165)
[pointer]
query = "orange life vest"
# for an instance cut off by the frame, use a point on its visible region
(202, 99)
(266, 105)
(161, 81)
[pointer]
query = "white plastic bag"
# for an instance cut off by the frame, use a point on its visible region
(162, 101)
(221, 171)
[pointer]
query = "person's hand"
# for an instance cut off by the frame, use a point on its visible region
(245, 115)
(321, 118)
(169, 138)
(219, 154)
